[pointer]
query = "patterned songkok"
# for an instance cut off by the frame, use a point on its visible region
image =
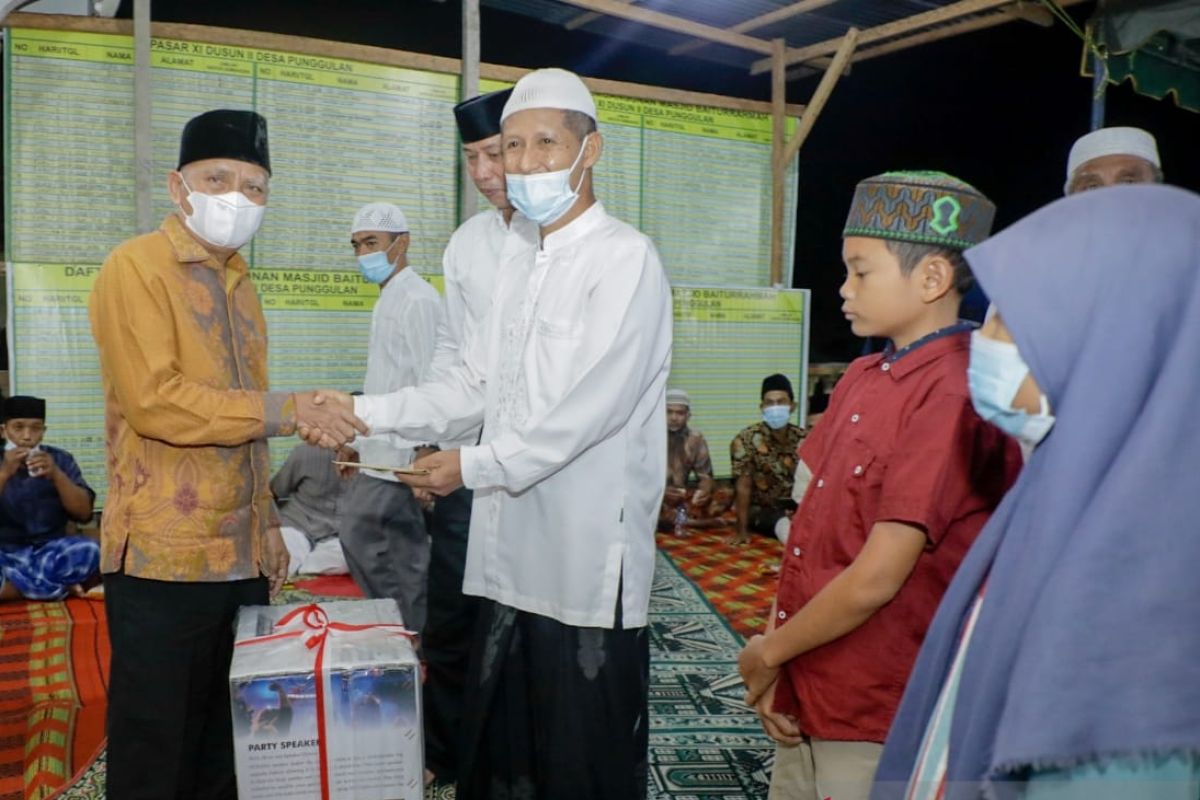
(926, 207)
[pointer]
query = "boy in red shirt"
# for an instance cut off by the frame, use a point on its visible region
(904, 476)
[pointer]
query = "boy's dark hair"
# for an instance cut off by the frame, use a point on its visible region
(579, 123)
(909, 254)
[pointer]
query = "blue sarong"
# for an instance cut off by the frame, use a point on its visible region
(46, 571)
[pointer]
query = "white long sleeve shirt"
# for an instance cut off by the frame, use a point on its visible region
(469, 266)
(571, 378)
(404, 325)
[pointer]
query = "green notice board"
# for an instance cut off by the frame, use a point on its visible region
(726, 342)
(344, 133)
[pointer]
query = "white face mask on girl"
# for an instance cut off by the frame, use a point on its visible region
(995, 374)
(226, 220)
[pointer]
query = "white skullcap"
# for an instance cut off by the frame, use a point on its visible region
(550, 88)
(678, 397)
(379, 217)
(1111, 142)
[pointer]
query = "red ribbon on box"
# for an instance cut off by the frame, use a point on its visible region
(313, 619)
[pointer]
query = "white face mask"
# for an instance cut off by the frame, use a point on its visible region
(225, 220)
(994, 377)
(545, 196)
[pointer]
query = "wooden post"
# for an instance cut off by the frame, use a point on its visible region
(778, 165)
(825, 88)
(143, 152)
(469, 87)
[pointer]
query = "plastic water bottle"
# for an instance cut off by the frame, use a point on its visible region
(32, 452)
(681, 519)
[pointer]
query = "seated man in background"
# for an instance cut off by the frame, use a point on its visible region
(42, 492)
(689, 470)
(764, 462)
(310, 493)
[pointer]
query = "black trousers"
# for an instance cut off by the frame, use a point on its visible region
(170, 733)
(386, 546)
(446, 640)
(555, 712)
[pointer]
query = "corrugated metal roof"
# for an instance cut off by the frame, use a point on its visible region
(825, 23)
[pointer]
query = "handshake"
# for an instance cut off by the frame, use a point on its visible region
(325, 418)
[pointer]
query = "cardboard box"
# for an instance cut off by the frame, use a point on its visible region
(359, 715)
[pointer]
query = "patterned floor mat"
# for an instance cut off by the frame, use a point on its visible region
(53, 688)
(739, 580)
(705, 744)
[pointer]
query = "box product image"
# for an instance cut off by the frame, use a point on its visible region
(326, 703)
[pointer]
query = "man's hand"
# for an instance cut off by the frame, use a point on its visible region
(275, 559)
(754, 670)
(445, 473)
(425, 497)
(702, 498)
(346, 454)
(13, 461)
(780, 727)
(41, 465)
(326, 418)
(326, 397)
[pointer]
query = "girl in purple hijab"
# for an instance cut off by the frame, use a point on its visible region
(1064, 661)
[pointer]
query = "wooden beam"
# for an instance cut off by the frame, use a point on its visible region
(375, 55)
(583, 19)
(887, 31)
(778, 142)
(579, 20)
(616, 8)
(820, 96)
(7, 7)
(815, 67)
(937, 34)
(761, 21)
(1000, 17)
(644, 92)
(1034, 12)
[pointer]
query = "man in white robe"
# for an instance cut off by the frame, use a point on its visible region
(570, 381)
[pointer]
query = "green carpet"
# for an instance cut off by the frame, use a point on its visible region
(705, 744)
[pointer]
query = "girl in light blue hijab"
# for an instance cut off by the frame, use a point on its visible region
(1064, 661)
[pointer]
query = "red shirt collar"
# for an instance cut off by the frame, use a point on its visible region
(927, 349)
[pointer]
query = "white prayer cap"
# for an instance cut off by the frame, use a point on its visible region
(550, 88)
(678, 397)
(379, 217)
(1111, 142)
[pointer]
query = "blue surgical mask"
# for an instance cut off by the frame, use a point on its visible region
(376, 267)
(545, 196)
(994, 376)
(776, 416)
